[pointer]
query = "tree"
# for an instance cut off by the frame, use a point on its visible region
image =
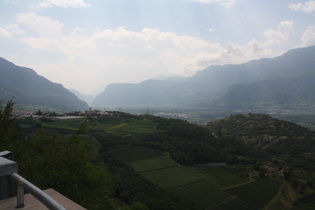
(6, 125)
(69, 166)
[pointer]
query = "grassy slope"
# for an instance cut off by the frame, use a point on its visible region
(204, 193)
(173, 177)
(185, 182)
(258, 193)
(221, 177)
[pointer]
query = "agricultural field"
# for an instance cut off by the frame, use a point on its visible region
(235, 204)
(112, 125)
(309, 205)
(68, 124)
(211, 187)
(153, 164)
(200, 186)
(221, 177)
(173, 177)
(130, 154)
(135, 126)
(203, 193)
(259, 193)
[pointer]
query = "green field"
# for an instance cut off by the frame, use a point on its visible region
(153, 164)
(69, 124)
(142, 158)
(235, 204)
(202, 186)
(112, 125)
(135, 126)
(156, 166)
(221, 177)
(129, 153)
(173, 177)
(203, 193)
(258, 193)
(305, 206)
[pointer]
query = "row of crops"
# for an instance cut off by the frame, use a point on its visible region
(212, 187)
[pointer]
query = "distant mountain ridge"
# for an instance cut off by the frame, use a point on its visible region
(25, 86)
(221, 85)
(87, 98)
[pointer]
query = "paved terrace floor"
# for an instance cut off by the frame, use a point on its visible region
(31, 203)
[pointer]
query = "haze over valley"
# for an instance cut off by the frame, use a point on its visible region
(280, 86)
(168, 104)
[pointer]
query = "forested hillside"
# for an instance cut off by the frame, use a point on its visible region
(276, 138)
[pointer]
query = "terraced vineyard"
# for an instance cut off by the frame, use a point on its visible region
(221, 177)
(212, 187)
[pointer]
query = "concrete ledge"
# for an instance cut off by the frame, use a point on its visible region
(31, 203)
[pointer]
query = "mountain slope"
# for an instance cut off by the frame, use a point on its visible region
(211, 86)
(25, 86)
(87, 98)
(277, 92)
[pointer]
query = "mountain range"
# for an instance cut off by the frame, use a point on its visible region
(24, 86)
(283, 80)
(87, 98)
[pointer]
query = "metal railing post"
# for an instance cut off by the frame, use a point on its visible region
(48, 201)
(20, 197)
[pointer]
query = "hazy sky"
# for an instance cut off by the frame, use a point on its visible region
(87, 44)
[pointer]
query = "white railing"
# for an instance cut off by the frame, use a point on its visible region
(8, 174)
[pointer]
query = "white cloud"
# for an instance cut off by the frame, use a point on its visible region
(15, 29)
(121, 55)
(4, 33)
(62, 3)
(225, 3)
(308, 38)
(308, 6)
(77, 31)
(44, 26)
(255, 49)
(125, 56)
(286, 26)
(280, 36)
(9, 30)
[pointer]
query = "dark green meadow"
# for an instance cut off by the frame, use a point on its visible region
(257, 193)
(113, 125)
(206, 187)
(221, 177)
(130, 154)
(173, 177)
(204, 193)
(202, 186)
(153, 164)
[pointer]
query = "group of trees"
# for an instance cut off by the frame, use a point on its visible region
(50, 160)
(190, 144)
(269, 137)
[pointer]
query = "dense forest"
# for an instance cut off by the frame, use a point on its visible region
(76, 162)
